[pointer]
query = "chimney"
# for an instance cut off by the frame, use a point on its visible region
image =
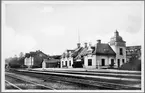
(85, 45)
(116, 33)
(79, 45)
(99, 41)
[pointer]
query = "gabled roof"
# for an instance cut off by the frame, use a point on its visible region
(85, 51)
(82, 53)
(67, 54)
(103, 49)
(37, 53)
(76, 52)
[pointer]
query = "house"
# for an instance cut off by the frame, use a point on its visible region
(52, 62)
(101, 55)
(35, 59)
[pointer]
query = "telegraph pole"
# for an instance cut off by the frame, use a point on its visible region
(78, 36)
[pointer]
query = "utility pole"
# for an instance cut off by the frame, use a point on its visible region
(78, 36)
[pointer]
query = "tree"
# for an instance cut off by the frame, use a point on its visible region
(21, 55)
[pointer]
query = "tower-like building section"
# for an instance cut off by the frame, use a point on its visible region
(119, 47)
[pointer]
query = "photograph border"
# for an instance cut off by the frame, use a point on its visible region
(3, 2)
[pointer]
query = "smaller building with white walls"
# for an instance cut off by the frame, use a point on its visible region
(67, 59)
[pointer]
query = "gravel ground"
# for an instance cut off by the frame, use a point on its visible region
(59, 85)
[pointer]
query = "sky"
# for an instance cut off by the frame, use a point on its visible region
(53, 27)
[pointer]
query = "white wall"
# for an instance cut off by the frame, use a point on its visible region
(63, 60)
(96, 61)
(107, 61)
(43, 64)
(118, 56)
(93, 57)
(29, 61)
(70, 59)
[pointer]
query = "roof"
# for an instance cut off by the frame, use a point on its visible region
(55, 56)
(67, 53)
(104, 49)
(84, 52)
(76, 52)
(73, 53)
(70, 50)
(37, 53)
(52, 61)
(133, 47)
(116, 38)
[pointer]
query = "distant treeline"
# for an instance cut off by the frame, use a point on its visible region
(15, 62)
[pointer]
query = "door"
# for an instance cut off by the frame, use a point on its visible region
(112, 62)
(103, 62)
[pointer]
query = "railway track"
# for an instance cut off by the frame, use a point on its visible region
(65, 78)
(23, 84)
(90, 77)
(92, 71)
(60, 83)
(98, 74)
(10, 85)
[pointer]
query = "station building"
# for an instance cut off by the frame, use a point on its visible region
(101, 55)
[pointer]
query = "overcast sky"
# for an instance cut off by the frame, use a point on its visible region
(53, 27)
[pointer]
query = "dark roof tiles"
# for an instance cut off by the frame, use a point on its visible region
(76, 52)
(103, 49)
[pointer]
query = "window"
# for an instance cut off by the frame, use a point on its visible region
(118, 62)
(69, 63)
(121, 51)
(89, 62)
(103, 62)
(123, 61)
